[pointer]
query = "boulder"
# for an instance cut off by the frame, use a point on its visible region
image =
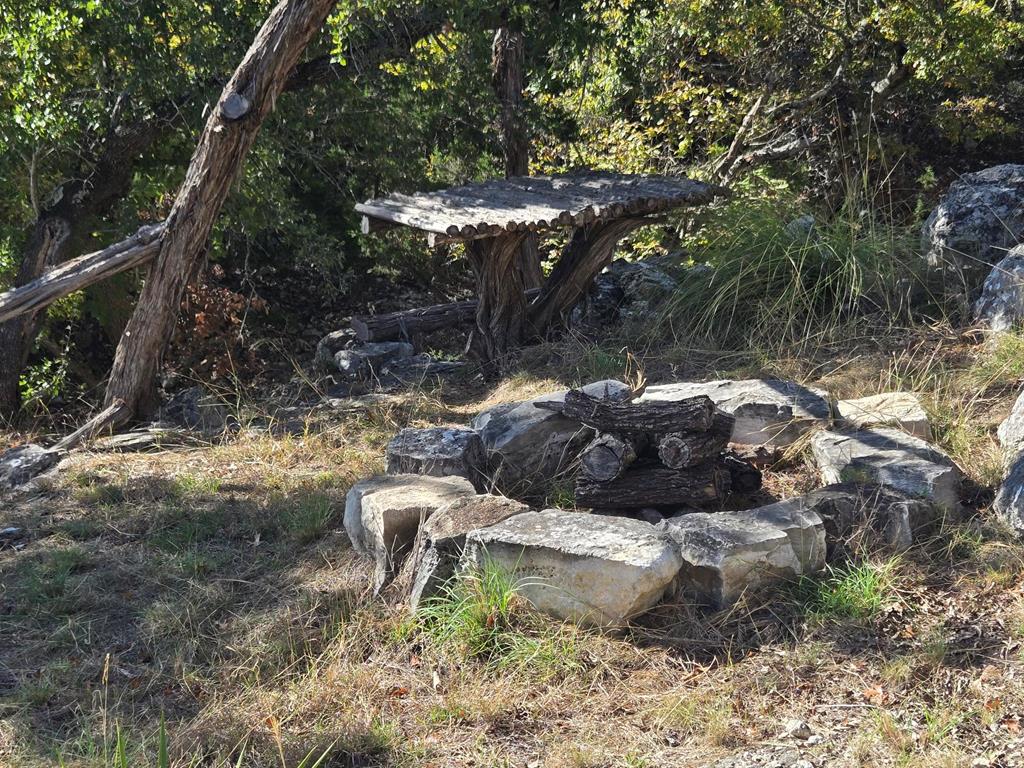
(980, 217)
(438, 451)
(194, 408)
(332, 344)
(895, 409)
(890, 457)
(524, 442)
(367, 360)
(597, 570)
(766, 410)
(382, 515)
(801, 524)
(725, 555)
(844, 508)
(442, 538)
(19, 465)
(1001, 304)
(1009, 501)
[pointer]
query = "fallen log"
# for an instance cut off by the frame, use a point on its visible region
(78, 273)
(678, 450)
(607, 457)
(694, 414)
(402, 325)
(109, 416)
(656, 486)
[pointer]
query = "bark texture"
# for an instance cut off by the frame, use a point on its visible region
(656, 486)
(635, 418)
(215, 166)
(508, 69)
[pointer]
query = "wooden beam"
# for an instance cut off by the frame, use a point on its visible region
(75, 274)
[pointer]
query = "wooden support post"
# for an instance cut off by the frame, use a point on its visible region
(589, 251)
(501, 311)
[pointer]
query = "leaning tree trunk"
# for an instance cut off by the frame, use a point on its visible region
(229, 133)
(508, 56)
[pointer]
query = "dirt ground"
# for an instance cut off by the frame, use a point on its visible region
(207, 596)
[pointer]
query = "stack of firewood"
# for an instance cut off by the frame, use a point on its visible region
(657, 454)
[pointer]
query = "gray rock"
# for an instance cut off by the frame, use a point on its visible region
(21, 464)
(1011, 430)
(980, 217)
(600, 571)
(726, 555)
(1001, 304)
(442, 538)
(382, 515)
(194, 408)
(890, 457)
(767, 411)
(524, 442)
(437, 451)
(1009, 501)
(368, 360)
(801, 524)
(896, 409)
(802, 228)
(332, 344)
(845, 508)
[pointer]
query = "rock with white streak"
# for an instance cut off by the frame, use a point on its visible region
(890, 457)
(892, 409)
(21, 464)
(383, 514)
(597, 570)
(767, 411)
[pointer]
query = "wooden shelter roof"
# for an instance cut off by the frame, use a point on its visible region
(533, 203)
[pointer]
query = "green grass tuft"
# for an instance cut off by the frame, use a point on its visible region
(853, 591)
(480, 615)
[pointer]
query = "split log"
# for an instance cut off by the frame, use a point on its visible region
(404, 324)
(693, 414)
(607, 457)
(685, 449)
(744, 476)
(112, 414)
(656, 486)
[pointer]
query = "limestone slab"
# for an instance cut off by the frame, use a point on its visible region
(890, 457)
(593, 569)
(895, 409)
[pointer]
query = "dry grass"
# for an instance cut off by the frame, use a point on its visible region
(213, 587)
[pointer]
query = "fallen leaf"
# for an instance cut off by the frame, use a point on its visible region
(398, 692)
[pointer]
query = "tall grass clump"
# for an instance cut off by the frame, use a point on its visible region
(778, 276)
(479, 614)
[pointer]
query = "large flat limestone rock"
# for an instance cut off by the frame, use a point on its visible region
(596, 570)
(890, 457)
(382, 514)
(524, 442)
(893, 409)
(442, 539)
(727, 555)
(767, 411)
(1009, 501)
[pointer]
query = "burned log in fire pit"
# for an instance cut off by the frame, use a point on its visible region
(656, 453)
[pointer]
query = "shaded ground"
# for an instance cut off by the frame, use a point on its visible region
(213, 587)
